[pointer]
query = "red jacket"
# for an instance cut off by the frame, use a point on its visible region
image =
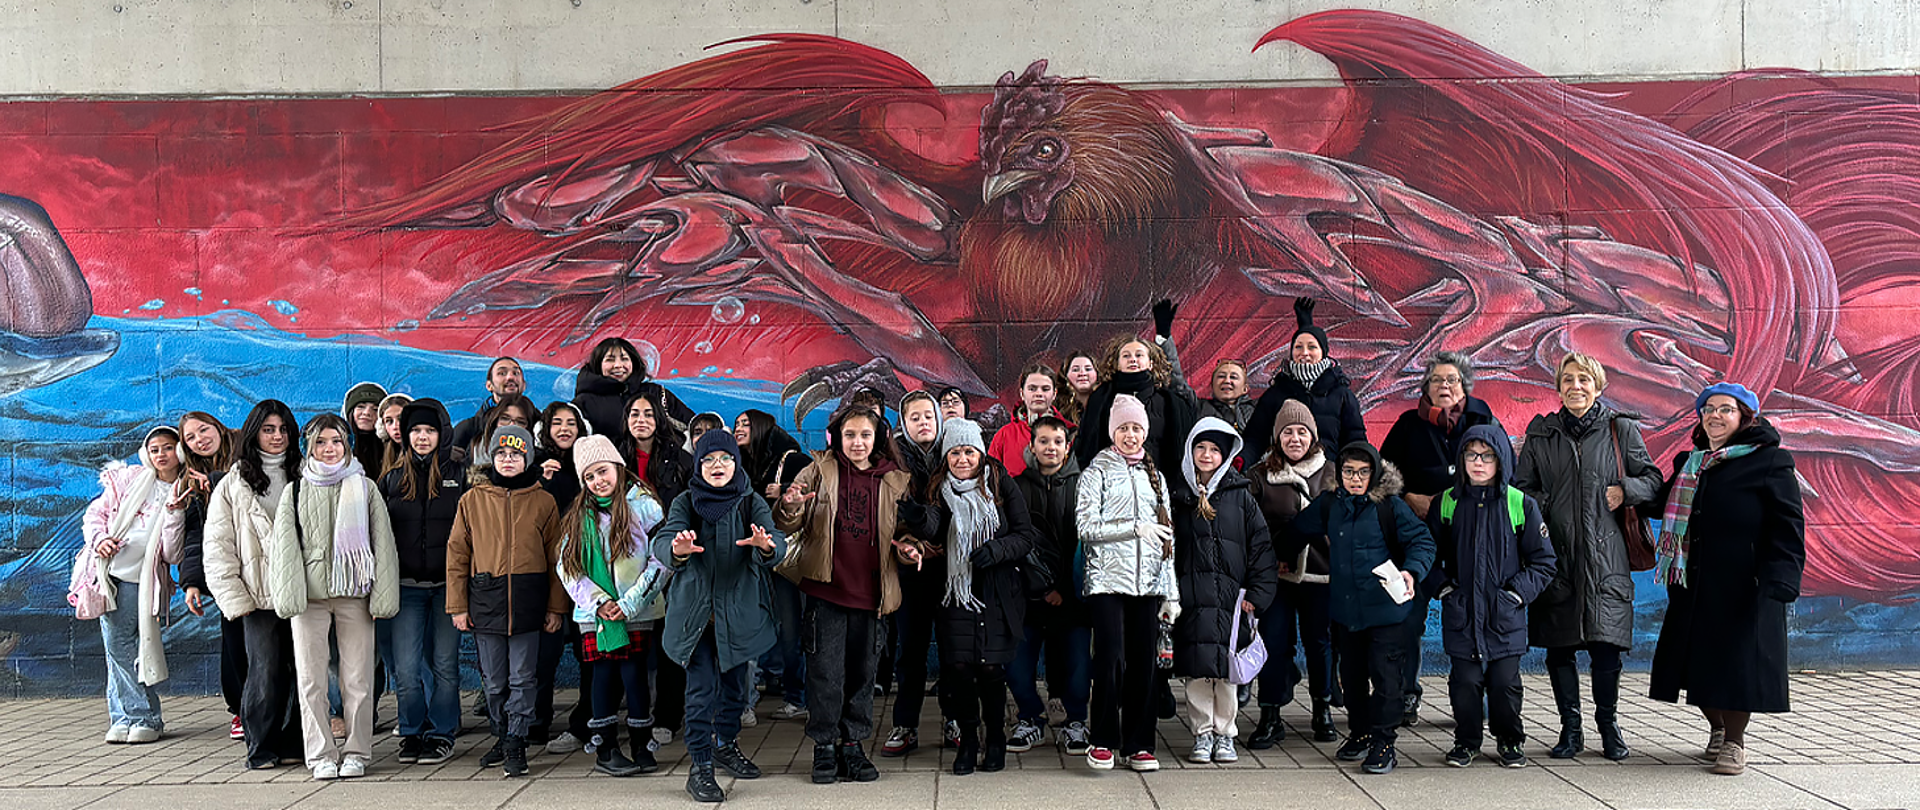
(1009, 445)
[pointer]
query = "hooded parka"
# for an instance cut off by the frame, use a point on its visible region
(1487, 571)
(1216, 559)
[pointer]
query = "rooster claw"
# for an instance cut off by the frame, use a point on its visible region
(840, 382)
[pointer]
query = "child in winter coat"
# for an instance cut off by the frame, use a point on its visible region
(501, 587)
(1494, 558)
(614, 580)
(1367, 524)
(240, 516)
(422, 493)
(122, 575)
(722, 545)
(1059, 627)
(331, 564)
(1126, 527)
(843, 511)
(1227, 573)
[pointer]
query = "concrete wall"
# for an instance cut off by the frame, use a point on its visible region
(279, 47)
(207, 204)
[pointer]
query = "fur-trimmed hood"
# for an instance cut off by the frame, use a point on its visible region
(1387, 481)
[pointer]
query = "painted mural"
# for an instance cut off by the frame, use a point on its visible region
(800, 216)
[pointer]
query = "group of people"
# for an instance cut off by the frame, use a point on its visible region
(1120, 531)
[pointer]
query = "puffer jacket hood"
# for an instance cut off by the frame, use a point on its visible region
(1387, 481)
(1502, 449)
(361, 393)
(1210, 424)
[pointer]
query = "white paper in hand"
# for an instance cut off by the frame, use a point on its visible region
(1391, 580)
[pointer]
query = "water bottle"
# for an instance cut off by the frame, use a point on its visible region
(1164, 659)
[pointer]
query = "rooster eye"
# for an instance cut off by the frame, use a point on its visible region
(1047, 150)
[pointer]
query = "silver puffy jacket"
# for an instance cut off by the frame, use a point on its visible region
(1114, 498)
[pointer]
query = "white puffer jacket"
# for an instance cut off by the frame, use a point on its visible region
(234, 546)
(1114, 499)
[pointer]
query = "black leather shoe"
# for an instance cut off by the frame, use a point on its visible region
(994, 758)
(826, 764)
(734, 761)
(701, 785)
(1323, 729)
(607, 756)
(854, 765)
(1270, 731)
(965, 759)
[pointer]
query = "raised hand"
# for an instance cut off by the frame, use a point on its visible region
(549, 467)
(795, 495)
(758, 538)
(687, 543)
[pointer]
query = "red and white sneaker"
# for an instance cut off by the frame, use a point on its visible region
(1143, 762)
(1100, 759)
(235, 730)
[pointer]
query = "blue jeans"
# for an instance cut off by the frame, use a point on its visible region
(715, 700)
(426, 664)
(129, 702)
(1069, 656)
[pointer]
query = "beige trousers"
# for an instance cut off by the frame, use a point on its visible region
(352, 628)
(1213, 704)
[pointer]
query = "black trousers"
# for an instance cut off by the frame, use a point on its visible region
(976, 694)
(1126, 630)
(842, 646)
(269, 705)
(1497, 682)
(913, 623)
(233, 663)
(1372, 666)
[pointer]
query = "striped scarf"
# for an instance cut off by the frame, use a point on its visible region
(1674, 540)
(974, 523)
(1308, 373)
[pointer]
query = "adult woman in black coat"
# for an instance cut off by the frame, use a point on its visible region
(1224, 561)
(1571, 464)
(613, 375)
(978, 516)
(1137, 367)
(1732, 547)
(1313, 377)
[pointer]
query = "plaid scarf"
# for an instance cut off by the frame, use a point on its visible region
(1674, 541)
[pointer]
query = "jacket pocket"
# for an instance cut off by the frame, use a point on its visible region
(1453, 611)
(1616, 601)
(487, 601)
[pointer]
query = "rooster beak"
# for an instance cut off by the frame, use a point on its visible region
(1004, 183)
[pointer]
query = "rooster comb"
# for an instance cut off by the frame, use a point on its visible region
(1020, 103)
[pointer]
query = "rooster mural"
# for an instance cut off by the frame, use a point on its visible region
(1513, 217)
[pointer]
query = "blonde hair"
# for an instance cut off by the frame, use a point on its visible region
(1584, 363)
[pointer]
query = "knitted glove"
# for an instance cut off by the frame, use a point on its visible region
(1163, 311)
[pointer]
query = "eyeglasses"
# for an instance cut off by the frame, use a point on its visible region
(717, 461)
(1482, 457)
(1720, 410)
(1450, 382)
(1356, 475)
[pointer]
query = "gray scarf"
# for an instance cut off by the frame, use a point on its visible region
(974, 522)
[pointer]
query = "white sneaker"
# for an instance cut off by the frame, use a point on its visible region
(1074, 738)
(118, 734)
(142, 734)
(1025, 736)
(353, 768)
(662, 735)
(790, 711)
(1202, 752)
(326, 770)
(1223, 750)
(748, 719)
(565, 743)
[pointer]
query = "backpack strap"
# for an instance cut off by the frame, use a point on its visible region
(1446, 506)
(1516, 508)
(1390, 531)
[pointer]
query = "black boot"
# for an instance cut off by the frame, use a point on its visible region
(855, 765)
(607, 757)
(516, 751)
(734, 761)
(1270, 731)
(1606, 705)
(1566, 696)
(495, 755)
(967, 756)
(993, 756)
(1323, 730)
(702, 786)
(826, 764)
(640, 742)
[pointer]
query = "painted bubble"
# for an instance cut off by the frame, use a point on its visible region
(729, 310)
(153, 305)
(283, 306)
(703, 347)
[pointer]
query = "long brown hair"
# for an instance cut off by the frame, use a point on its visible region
(206, 465)
(409, 472)
(1109, 364)
(573, 557)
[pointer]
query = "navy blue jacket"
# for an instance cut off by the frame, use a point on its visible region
(1351, 525)
(1487, 572)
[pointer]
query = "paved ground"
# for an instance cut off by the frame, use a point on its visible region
(1854, 742)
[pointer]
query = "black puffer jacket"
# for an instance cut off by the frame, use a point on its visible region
(193, 572)
(1051, 501)
(1591, 598)
(421, 527)
(1724, 638)
(1214, 560)
(604, 400)
(1336, 412)
(1171, 413)
(990, 636)
(564, 484)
